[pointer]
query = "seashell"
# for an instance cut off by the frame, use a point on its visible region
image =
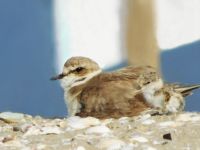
(33, 130)
(24, 127)
(6, 128)
(76, 122)
(124, 120)
(80, 148)
(148, 122)
(160, 142)
(13, 143)
(98, 130)
(148, 147)
(10, 117)
(144, 117)
(40, 146)
(111, 144)
(51, 130)
(139, 139)
(62, 124)
(107, 121)
(167, 123)
(188, 117)
(7, 138)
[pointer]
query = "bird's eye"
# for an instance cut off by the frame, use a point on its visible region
(79, 69)
(148, 82)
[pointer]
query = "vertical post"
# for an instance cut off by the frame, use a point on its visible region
(141, 35)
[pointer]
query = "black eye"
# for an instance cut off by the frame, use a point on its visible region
(79, 69)
(148, 82)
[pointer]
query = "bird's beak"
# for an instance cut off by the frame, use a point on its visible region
(58, 77)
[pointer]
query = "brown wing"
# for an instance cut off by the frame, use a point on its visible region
(113, 94)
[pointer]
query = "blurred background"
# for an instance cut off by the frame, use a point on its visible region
(37, 36)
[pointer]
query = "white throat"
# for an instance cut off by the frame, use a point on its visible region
(149, 92)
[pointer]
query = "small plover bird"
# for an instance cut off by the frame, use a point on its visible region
(88, 91)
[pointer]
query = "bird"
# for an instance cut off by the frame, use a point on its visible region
(126, 92)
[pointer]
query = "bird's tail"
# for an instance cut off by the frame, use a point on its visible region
(186, 90)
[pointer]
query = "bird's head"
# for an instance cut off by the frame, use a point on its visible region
(77, 71)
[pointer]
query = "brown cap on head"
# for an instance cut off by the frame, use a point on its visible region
(83, 62)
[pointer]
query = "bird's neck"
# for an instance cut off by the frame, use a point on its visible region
(86, 78)
(76, 88)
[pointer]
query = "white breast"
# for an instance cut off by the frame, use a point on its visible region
(73, 106)
(150, 96)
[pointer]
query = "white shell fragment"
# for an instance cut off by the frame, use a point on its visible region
(98, 130)
(37, 130)
(81, 123)
(12, 117)
(111, 144)
(41, 146)
(139, 139)
(167, 123)
(32, 131)
(80, 148)
(188, 117)
(148, 147)
(51, 130)
(143, 132)
(148, 122)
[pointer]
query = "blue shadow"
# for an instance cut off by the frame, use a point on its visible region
(27, 59)
(182, 64)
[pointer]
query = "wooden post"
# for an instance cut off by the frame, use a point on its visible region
(141, 35)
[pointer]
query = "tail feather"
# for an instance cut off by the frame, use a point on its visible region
(186, 90)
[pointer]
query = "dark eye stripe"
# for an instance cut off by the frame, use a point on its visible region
(79, 69)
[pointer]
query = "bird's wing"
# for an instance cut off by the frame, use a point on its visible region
(114, 93)
(143, 74)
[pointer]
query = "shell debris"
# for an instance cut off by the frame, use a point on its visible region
(127, 133)
(81, 123)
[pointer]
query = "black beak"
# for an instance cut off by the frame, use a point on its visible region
(58, 77)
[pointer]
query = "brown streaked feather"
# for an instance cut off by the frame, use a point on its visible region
(113, 95)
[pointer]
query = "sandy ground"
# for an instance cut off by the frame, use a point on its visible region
(145, 132)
